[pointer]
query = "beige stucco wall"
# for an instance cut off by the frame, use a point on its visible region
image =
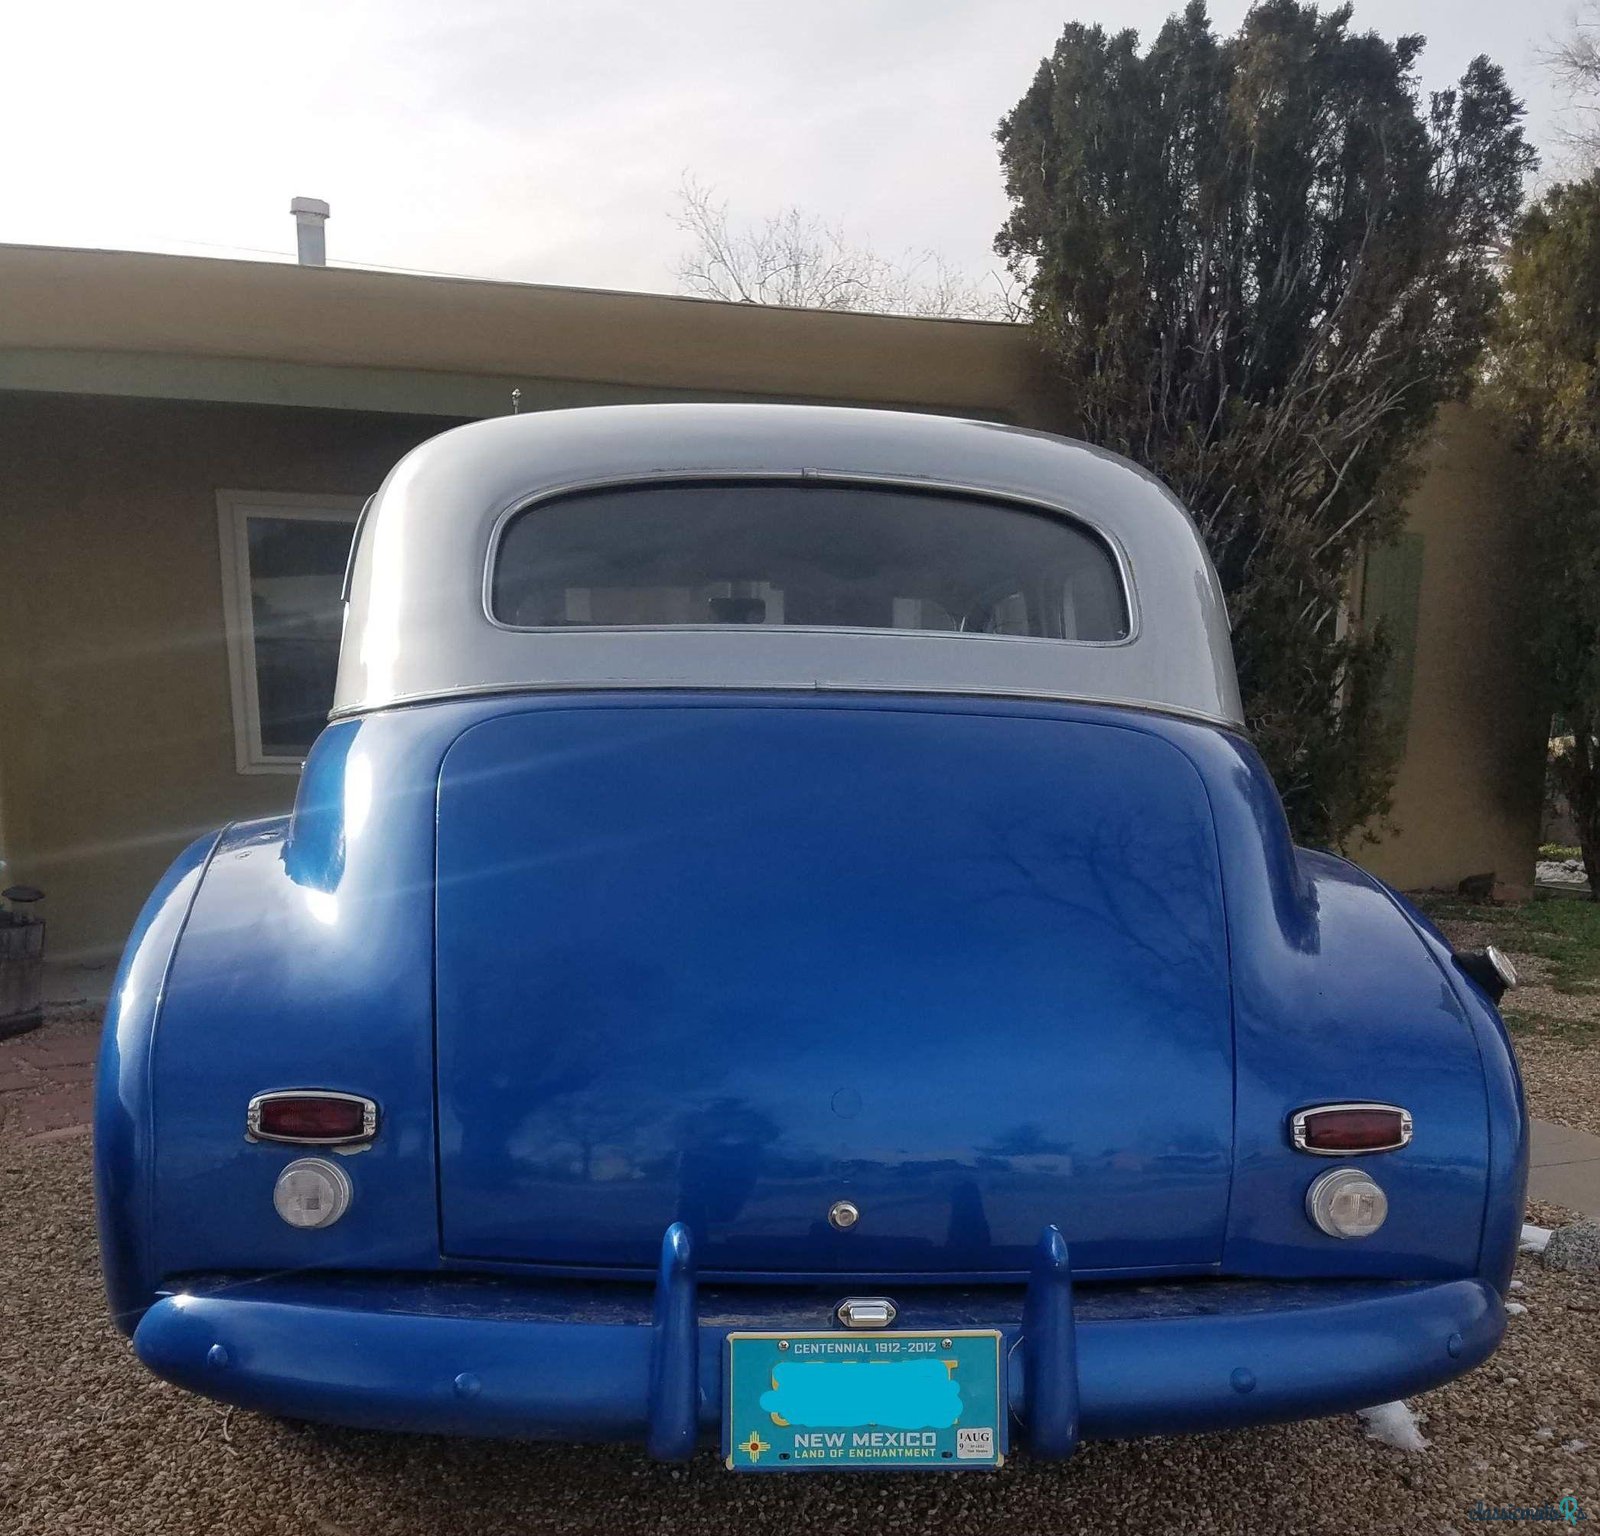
(1468, 794)
(116, 730)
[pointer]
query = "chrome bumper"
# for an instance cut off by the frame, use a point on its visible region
(441, 1357)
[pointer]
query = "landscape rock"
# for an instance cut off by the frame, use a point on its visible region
(1576, 1247)
(1562, 872)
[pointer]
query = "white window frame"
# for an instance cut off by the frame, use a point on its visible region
(234, 510)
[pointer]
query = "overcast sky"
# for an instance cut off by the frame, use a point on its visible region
(543, 141)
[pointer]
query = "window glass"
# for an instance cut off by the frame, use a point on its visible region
(834, 556)
(283, 565)
(296, 573)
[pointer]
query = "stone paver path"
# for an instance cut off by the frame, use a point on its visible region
(47, 1078)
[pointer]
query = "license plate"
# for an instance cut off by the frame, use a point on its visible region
(906, 1400)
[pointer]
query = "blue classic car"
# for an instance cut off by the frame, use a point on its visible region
(785, 939)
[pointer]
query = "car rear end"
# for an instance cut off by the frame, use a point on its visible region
(700, 972)
(590, 1059)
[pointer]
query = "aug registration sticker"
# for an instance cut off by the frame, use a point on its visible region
(908, 1400)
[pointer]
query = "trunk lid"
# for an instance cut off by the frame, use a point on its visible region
(731, 962)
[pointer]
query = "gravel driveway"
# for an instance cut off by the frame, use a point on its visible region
(91, 1443)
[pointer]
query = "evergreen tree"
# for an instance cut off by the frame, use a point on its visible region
(1545, 374)
(1259, 264)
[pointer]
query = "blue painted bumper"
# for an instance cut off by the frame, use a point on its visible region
(460, 1357)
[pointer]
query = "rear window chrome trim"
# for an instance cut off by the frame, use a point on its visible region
(813, 690)
(680, 478)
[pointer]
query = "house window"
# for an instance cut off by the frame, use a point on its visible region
(283, 562)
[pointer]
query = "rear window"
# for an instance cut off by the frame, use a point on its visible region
(829, 556)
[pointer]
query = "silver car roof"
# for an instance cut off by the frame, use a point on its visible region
(418, 624)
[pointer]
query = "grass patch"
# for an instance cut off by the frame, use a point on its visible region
(1523, 1022)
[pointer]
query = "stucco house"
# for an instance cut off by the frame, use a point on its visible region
(185, 444)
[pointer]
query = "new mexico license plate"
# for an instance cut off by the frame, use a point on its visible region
(800, 1400)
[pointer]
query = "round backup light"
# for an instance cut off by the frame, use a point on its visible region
(312, 1192)
(1345, 1202)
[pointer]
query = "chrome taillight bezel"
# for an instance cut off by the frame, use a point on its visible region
(369, 1118)
(1298, 1128)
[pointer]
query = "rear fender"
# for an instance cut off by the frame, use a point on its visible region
(123, 1131)
(1506, 1202)
(1340, 996)
(306, 962)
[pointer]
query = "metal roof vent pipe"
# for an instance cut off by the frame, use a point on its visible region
(310, 221)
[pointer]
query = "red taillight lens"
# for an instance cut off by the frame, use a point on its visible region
(321, 1116)
(1345, 1128)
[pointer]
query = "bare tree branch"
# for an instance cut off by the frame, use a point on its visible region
(795, 258)
(1574, 60)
